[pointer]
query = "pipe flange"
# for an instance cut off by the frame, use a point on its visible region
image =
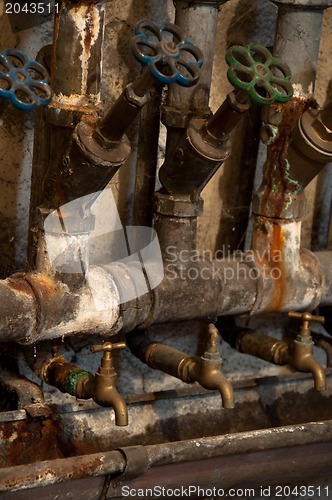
(95, 152)
(166, 204)
(212, 152)
(135, 99)
(171, 117)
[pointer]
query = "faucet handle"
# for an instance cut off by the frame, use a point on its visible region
(108, 347)
(23, 81)
(256, 71)
(168, 55)
(306, 319)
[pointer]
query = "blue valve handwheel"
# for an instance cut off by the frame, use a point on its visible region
(22, 81)
(255, 70)
(164, 49)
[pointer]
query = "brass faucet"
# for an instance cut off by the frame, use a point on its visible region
(101, 388)
(300, 353)
(297, 353)
(207, 371)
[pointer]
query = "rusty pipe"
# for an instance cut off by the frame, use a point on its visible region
(191, 16)
(36, 307)
(202, 149)
(29, 395)
(300, 47)
(280, 194)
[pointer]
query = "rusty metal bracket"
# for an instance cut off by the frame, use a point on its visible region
(137, 462)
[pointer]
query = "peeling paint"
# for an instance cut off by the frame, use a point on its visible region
(299, 91)
(87, 20)
(75, 100)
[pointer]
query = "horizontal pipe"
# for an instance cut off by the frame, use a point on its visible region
(325, 264)
(49, 472)
(114, 462)
(36, 307)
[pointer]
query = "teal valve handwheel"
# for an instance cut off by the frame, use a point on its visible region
(166, 52)
(255, 70)
(23, 81)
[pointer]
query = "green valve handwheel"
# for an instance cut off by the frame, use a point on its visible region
(255, 70)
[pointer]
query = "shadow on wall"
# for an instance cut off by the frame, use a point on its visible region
(120, 69)
(11, 125)
(253, 22)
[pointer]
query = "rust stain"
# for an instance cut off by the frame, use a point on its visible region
(88, 468)
(29, 441)
(269, 242)
(20, 285)
(276, 179)
(280, 282)
(44, 285)
(67, 471)
(88, 29)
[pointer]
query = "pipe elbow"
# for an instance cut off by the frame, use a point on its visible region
(109, 397)
(311, 365)
(105, 394)
(215, 380)
(226, 391)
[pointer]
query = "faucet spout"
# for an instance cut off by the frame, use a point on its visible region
(211, 378)
(208, 370)
(300, 352)
(104, 393)
(102, 389)
(318, 373)
(300, 357)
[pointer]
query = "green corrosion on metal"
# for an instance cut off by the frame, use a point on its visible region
(292, 182)
(72, 377)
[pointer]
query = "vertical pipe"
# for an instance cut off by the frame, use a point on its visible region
(299, 26)
(146, 164)
(175, 219)
(298, 31)
(76, 67)
(198, 19)
(75, 80)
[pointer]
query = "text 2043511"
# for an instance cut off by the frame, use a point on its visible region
(31, 8)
